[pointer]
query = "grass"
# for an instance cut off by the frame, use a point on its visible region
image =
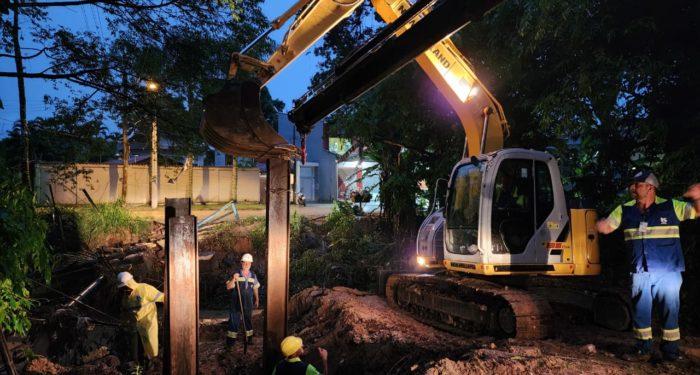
(107, 220)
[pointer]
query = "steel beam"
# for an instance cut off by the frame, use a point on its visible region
(181, 289)
(277, 284)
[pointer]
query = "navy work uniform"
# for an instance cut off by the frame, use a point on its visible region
(247, 283)
(653, 242)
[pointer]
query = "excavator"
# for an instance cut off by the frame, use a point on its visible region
(494, 258)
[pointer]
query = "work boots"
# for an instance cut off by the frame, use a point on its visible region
(642, 352)
(230, 342)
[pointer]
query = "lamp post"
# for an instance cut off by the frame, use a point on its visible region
(153, 87)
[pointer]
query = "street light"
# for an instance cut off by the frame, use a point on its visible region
(152, 86)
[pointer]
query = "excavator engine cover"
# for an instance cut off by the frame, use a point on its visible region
(233, 123)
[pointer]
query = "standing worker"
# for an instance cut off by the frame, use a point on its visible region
(245, 280)
(292, 349)
(651, 229)
(141, 302)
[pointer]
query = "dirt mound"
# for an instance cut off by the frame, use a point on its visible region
(364, 335)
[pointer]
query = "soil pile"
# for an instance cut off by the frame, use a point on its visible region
(364, 335)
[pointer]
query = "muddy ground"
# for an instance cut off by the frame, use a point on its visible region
(364, 335)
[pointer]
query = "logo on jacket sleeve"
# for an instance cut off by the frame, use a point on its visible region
(664, 221)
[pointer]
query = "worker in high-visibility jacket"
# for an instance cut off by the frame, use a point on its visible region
(141, 302)
(245, 280)
(651, 230)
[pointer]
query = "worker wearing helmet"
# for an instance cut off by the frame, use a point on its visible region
(245, 280)
(141, 302)
(651, 230)
(292, 349)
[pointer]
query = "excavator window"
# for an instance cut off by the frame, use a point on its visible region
(463, 209)
(544, 202)
(513, 215)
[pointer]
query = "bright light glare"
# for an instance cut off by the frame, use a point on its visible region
(421, 261)
(152, 86)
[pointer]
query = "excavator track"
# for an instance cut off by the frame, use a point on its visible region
(468, 306)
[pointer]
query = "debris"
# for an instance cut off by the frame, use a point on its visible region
(43, 366)
(96, 354)
(589, 349)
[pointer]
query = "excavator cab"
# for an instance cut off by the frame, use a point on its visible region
(506, 213)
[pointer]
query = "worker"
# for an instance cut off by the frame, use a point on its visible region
(292, 349)
(245, 280)
(141, 302)
(650, 226)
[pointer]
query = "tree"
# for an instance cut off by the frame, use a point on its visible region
(612, 85)
(25, 254)
(403, 124)
(82, 58)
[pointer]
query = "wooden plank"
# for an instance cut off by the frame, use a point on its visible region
(181, 280)
(277, 283)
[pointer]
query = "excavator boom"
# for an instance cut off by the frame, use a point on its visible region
(233, 121)
(451, 72)
(403, 40)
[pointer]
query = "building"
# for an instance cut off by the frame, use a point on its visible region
(317, 179)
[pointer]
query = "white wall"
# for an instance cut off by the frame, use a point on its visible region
(103, 183)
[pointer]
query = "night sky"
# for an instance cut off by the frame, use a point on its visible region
(290, 84)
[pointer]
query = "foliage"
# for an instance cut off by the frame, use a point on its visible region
(351, 257)
(109, 219)
(75, 133)
(24, 254)
(611, 85)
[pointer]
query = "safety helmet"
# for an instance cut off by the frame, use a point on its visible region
(124, 278)
(290, 345)
(247, 258)
(647, 177)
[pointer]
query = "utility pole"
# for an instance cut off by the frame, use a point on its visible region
(189, 161)
(234, 178)
(125, 143)
(154, 163)
(153, 87)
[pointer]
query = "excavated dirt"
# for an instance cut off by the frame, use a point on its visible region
(364, 335)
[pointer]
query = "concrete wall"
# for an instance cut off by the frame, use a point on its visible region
(103, 183)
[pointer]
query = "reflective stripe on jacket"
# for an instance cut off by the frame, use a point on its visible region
(656, 246)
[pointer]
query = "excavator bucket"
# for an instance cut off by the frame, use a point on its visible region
(233, 123)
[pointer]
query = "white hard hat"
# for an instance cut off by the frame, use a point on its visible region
(124, 277)
(247, 258)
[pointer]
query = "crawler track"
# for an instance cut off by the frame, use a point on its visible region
(470, 306)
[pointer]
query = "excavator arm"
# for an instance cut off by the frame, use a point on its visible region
(233, 121)
(478, 110)
(316, 18)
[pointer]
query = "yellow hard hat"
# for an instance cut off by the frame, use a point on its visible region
(290, 345)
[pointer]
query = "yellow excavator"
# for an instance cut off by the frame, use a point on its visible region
(505, 233)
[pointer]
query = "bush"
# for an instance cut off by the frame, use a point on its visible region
(352, 255)
(107, 220)
(24, 253)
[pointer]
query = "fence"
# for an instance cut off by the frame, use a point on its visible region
(104, 183)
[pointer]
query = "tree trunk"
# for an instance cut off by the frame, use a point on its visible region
(26, 175)
(6, 356)
(125, 145)
(154, 163)
(234, 178)
(190, 177)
